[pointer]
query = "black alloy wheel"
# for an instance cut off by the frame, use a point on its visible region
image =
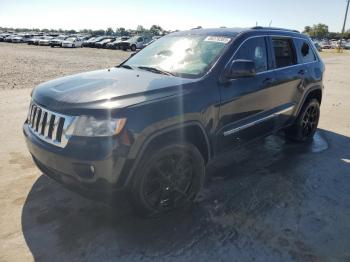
(306, 123)
(170, 179)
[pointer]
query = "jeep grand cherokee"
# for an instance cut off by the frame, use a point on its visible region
(149, 126)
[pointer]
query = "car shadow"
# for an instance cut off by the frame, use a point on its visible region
(252, 205)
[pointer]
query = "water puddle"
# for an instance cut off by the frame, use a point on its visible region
(319, 143)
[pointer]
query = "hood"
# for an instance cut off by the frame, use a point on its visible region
(108, 88)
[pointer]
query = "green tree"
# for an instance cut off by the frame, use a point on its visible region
(109, 31)
(317, 31)
(140, 29)
(98, 32)
(121, 31)
(156, 30)
(72, 31)
(307, 30)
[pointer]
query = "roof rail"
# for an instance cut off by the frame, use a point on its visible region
(275, 28)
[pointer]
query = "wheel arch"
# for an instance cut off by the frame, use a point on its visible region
(313, 92)
(191, 132)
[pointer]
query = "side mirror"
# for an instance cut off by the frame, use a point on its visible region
(240, 68)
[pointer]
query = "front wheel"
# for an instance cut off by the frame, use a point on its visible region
(133, 48)
(167, 179)
(306, 123)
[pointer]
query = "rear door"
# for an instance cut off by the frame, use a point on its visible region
(307, 57)
(289, 75)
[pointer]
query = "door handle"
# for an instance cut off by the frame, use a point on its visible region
(302, 72)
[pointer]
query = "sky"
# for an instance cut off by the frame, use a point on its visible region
(171, 15)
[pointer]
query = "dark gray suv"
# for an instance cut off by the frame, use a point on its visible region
(149, 126)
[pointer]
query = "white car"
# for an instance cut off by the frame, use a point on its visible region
(45, 40)
(17, 39)
(72, 42)
(136, 42)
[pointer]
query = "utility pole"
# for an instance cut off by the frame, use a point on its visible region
(343, 30)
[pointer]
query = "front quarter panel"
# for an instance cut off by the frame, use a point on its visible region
(194, 103)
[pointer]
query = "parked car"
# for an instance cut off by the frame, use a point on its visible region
(9, 38)
(136, 42)
(102, 43)
(45, 40)
(34, 40)
(318, 47)
(150, 126)
(91, 43)
(26, 38)
(72, 42)
(3, 36)
(325, 45)
(88, 41)
(17, 39)
(347, 46)
(115, 43)
(57, 41)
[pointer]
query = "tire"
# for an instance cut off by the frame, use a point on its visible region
(73, 45)
(133, 48)
(306, 123)
(167, 179)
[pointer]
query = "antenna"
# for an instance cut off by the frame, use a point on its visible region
(270, 23)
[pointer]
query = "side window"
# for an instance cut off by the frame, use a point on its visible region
(284, 52)
(254, 49)
(305, 51)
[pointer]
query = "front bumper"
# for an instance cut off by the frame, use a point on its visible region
(89, 166)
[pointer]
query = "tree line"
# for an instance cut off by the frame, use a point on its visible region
(321, 31)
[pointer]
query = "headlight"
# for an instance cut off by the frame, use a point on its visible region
(92, 127)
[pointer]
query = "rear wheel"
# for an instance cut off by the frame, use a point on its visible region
(168, 179)
(306, 123)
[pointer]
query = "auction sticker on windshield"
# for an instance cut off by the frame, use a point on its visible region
(218, 39)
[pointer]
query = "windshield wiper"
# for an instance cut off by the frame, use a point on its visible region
(155, 70)
(126, 66)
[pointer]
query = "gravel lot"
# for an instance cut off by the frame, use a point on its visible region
(273, 201)
(26, 66)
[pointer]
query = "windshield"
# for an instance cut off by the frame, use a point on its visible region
(186, 56)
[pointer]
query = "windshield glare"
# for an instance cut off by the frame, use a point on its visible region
(186, 56)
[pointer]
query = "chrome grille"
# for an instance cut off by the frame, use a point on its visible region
(49, 126)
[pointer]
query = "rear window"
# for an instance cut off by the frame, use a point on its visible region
(284, 52)
(305, 51)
